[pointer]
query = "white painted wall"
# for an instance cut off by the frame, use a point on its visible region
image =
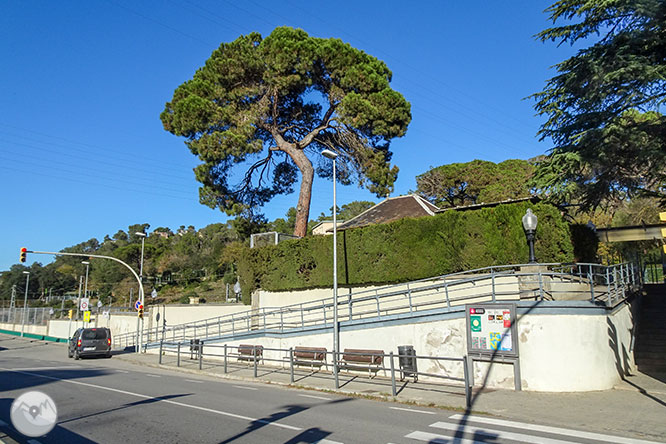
(558, 353)
(35, 329)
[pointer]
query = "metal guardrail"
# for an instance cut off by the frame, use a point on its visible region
(599, 284)
(286, 358)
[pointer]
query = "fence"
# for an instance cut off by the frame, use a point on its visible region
(33, 316)
(230, 356)
(599, 284)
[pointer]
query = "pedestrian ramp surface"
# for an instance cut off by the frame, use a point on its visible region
(461, 429)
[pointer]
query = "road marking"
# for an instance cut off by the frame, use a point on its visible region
(244, 388)
(122, 371)
(548, 429)
(153, 376)
(497, 434)
(326, 441)
(315, 397)
(166, 401)
(413, 410)
(192, 380)
(440, 439)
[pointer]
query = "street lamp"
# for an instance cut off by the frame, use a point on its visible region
(336, 330)
(25, 300)
(140, 326)
(530, 224)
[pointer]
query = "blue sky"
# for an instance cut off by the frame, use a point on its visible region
(82, 84)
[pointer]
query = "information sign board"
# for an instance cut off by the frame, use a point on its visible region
(491, 329)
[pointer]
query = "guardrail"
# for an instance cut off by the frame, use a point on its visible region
(286, 359)
(599, 284)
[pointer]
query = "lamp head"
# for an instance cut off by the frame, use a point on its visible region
(329, 154)
(529, 220)
(140, 234)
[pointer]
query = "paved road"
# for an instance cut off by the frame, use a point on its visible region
(109, 400)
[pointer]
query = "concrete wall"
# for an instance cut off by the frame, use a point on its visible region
(35, 329)
(558, 352)
(181, 314)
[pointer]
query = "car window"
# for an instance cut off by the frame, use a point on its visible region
(98, 333)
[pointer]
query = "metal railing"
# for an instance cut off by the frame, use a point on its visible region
(230, 356)
(33, 316)
(600, 285)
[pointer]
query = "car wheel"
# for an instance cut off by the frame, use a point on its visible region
(108, 355)
(77, 356)
(69, 353)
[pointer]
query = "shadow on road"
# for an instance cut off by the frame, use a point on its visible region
(309, 436)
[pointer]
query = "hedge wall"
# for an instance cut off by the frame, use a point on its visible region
(408, 249)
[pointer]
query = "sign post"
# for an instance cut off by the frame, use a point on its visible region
(492, 336)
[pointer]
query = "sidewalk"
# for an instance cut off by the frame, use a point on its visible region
(635, 408)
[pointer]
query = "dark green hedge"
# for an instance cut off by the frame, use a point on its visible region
(408, 249)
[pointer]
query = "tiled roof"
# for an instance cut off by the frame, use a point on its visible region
(391, 209)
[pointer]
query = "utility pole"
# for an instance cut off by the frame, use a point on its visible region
(12, 304)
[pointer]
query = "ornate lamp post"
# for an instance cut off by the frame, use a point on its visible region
(529, 225)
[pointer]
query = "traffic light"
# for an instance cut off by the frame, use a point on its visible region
(141, 313)
(24, 254)
(71, 314)
(662, 218)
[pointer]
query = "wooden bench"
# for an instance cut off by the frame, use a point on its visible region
(310, 356)
(359, 359)
(250, 353)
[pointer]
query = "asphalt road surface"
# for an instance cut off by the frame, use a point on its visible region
(112, 401)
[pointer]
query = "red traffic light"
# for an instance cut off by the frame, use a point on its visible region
(24, 254)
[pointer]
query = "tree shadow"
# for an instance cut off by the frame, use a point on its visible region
(309, 436)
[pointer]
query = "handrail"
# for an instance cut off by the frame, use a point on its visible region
(607, 284)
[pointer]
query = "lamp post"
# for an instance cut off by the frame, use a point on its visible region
(85, 290)
(529, 225)
(336, 330)
(25, 300)
(140, 326)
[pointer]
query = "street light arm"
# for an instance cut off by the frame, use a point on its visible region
(136, 276)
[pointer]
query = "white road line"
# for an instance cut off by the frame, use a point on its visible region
(326, 441)
(439, 439)
(498, 434)
(192, 380)
(166, 401)
(412, 410)
(244, 388)
(153, 376)
(315, 397)
(548, 429)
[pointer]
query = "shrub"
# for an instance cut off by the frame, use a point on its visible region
(407, 249)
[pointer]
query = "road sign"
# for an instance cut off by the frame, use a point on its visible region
(153, 294)
(86, 316)
(84, 304)
(138, 305)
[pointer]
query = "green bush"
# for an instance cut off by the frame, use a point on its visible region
(407, 249)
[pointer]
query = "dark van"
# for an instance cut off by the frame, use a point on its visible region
(90, 342)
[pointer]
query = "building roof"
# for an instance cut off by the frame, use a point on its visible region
(533, 199)
(391, 209)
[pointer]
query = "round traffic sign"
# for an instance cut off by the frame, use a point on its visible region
(84, 305)
(138, 305)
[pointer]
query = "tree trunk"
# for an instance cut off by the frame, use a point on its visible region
(305, 194)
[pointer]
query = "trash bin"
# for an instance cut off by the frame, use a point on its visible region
(194, 347)
(407, 361)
